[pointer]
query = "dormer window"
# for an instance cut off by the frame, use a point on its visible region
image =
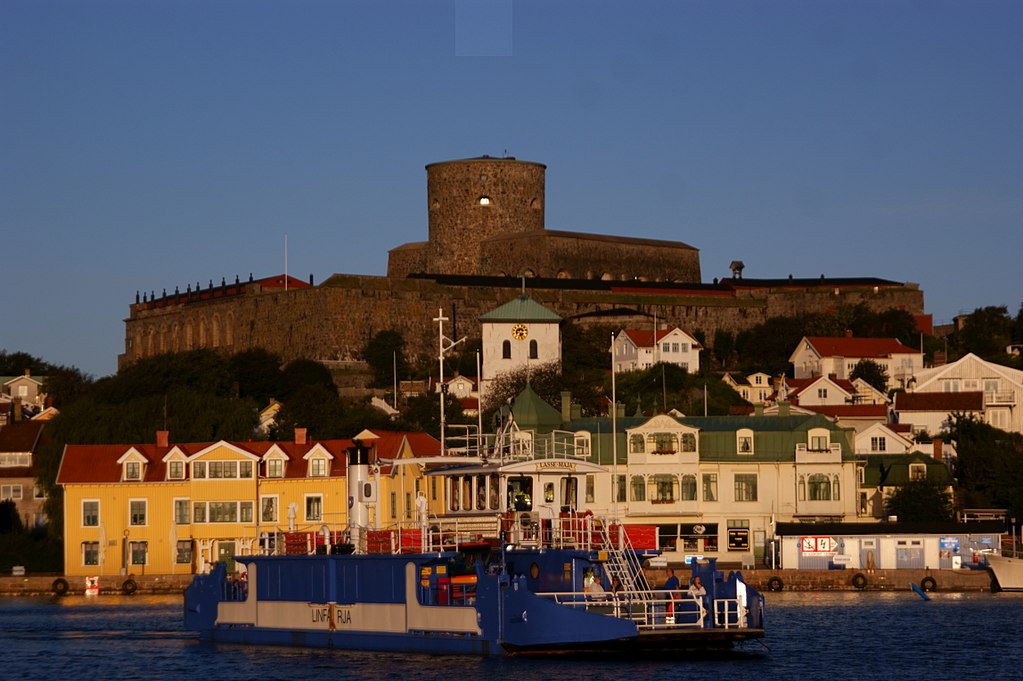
(132, 470)
(275, 468)
(744, 442)
(317, 468)
(175, 470)
(917, 471)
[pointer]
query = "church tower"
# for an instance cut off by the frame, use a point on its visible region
(518, 334)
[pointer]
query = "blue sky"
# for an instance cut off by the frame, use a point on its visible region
(148, 145)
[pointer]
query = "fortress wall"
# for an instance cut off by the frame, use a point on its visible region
(335, 320)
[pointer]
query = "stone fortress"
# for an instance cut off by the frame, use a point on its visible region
(486, 232)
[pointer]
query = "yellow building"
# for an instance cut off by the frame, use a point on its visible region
(168, 508)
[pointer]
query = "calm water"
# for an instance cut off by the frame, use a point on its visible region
(818, 635)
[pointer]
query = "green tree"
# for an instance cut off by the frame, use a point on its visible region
(312, 406)
(305, 372)
(871, 372)
(257, 374)
(920, 501)
(383, 351)
(545, 379)
(10, 519)
(988, 468)
(724, 347)
(985, 332)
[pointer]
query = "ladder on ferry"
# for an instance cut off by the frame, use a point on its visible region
(623, 563)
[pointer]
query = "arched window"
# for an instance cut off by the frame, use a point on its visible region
(688, 488)
(820, 487)
(534, 350)
(506, 350)
(636, 444)
(638, 488)
(836, 489)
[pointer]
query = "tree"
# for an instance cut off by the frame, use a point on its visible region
(920, 501)
(257, 374)
(381, 353)
(545, 379)
(987, 470)
(724, 347)
(871, 372)
(306, 372)
(986, 332)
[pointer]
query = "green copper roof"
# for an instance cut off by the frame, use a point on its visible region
(522, 309)
(531, 412)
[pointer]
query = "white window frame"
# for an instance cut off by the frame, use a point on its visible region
(275, 462)
(305, 508)
(170, 469)
(98, 547)
(263, 498)
(145, 513)
(12, 491)
(178, 501)
(132, 471)
(318, 467)
(98, 507)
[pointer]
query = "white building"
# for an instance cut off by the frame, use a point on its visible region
(518, 334)
(634, 349)
(823, 356)
(1001, 388)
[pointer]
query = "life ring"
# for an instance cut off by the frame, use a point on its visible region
(129, 586)
(60, 586)
(928, 584)
(859, 580)
(775, 584)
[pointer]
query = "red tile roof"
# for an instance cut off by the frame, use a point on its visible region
(98, 463)
(859, 347)
(878, 411)
(20, 436)
(644, 338)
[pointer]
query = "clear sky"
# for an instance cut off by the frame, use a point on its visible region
(153, 144)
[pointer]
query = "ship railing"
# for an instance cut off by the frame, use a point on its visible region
(730, 613)
(671, 610)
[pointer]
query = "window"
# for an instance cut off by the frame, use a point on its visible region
(590, 482)
(621, 491)
(534, 350)
(90, 553)
(199, 512)
(684, 347)
(198, 469)
(139, 551)
(245, 470)
(638, 488)
(506, 350)
(582, 444)
(219, 470)
(183, 553)
(744, 442)
(820, 487)
(665, 347)
(917, 471)
(663, 489)
(13, 492)
(878, 444)
(181, 511)
(688, 442)
(394, 505)
(674, 347)
(819, 443)
(822, 393)
(317, 468)
(132, 470)
(245, 511)
(137, 512)
(688, 488)
(223, 512)
(15, 460)
(314, 507)
(636, 444)
(745, 487)
(836, 489)
(664, 443)
(710, 486)
(90, 513)
(275, 468)
(268, 509)
(176, 470)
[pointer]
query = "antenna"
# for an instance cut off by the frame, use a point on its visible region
(285, 262)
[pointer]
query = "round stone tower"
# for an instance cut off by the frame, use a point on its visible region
(476, 198)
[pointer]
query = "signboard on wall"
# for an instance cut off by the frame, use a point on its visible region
(818, 545)
(738, 540)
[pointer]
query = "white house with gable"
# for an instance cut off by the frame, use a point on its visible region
(634, 349)
(1001, 388)
(518, 334)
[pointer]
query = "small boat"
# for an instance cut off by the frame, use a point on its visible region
(1006, 570)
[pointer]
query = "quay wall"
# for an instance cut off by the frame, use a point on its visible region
(950, 581)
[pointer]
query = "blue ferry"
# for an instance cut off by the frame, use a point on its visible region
(494, 584)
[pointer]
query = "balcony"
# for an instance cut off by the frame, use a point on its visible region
(999, 398)
(833, 454)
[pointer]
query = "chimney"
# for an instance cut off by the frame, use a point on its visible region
(300, 436)
(16, 408)
(938, 444)
(848, 333)
(783, 408)
(758, 409)
(163, 438)
(566, 405)
(28, 373)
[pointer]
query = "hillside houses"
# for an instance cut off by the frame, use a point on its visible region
(825, 356)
